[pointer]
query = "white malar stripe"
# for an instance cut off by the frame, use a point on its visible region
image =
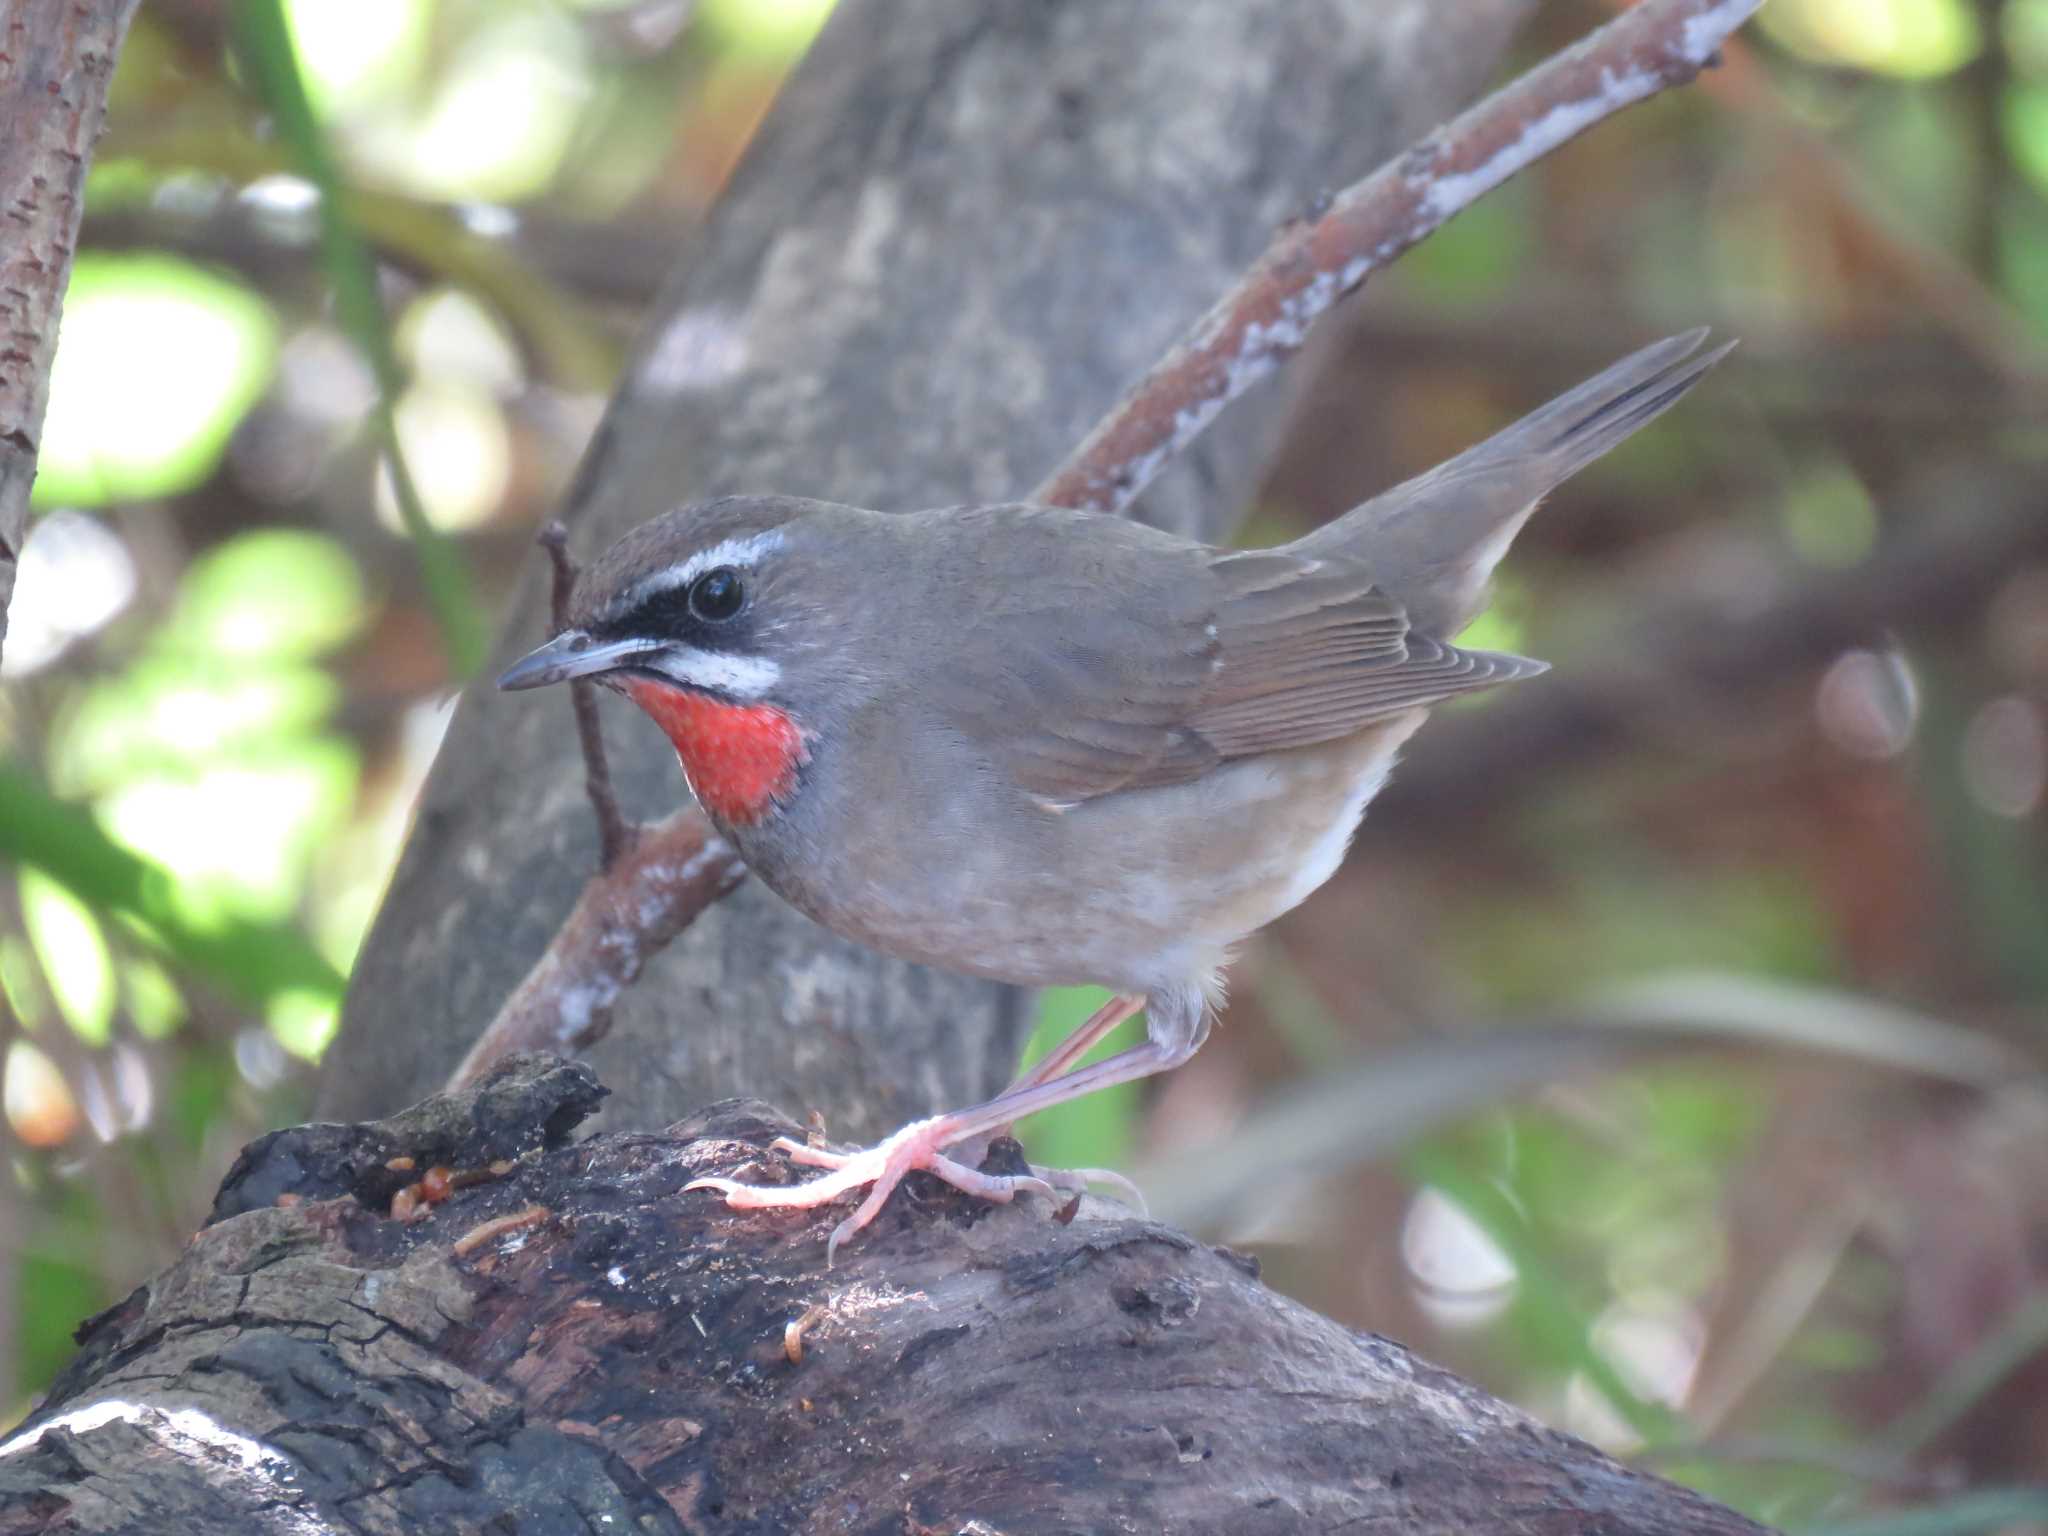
(741, 553)
(744, 677)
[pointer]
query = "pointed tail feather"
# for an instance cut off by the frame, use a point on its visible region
(1433, 542)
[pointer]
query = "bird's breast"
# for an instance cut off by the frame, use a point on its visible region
(740, 759)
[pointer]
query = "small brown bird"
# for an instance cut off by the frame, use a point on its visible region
(1054, 747)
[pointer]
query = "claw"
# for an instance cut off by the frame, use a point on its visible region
(1082, 1179)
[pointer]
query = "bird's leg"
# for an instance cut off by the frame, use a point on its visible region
(921, 1144)
(1061, 1058)
(1084, 1039)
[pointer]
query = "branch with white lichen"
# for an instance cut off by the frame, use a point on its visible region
(652, 882)
(1315, 261)
(668, 874)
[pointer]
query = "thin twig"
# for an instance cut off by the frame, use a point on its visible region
(1314, 262)
(614, 833)
(669, 874)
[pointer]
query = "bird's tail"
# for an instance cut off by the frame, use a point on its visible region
(1434, 541)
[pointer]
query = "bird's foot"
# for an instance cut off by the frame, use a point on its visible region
(918, 1145)
(1079, 1180)
(975, 1150)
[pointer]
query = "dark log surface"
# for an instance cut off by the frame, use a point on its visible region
(963, 230)
(575, 1345)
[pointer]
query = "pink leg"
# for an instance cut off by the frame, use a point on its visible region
(921, 1145)
(1092, 1031)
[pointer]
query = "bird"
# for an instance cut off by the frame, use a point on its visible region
(1055, 747)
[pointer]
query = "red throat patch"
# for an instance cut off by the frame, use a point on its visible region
(739, 758)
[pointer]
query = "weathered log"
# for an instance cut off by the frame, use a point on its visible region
(571, 1343)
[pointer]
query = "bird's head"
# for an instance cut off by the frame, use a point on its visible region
(694, 617)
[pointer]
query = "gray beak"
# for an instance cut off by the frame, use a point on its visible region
(572, 654)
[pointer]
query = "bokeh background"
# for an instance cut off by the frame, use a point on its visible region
(1668, 1055)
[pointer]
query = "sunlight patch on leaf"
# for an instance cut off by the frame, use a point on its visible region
(275, 592)
(501, 117)
(157, 361)
(173, 713)
(304, 1022)
(1911, 39)
(155, 1005)
(73, 953)
(237, 835)
(359, 53)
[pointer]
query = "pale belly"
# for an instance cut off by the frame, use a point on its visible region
(1137, 890)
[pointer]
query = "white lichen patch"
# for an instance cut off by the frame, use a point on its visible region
(1445, 195)
(1702, 35)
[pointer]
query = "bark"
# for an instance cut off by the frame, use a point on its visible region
(963, 230)
(573, 1344)
(55, 61)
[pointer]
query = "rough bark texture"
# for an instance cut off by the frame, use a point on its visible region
(964, 229)
(55, 61)
(576, 1345)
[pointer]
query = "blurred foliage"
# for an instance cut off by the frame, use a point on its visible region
(355, 282)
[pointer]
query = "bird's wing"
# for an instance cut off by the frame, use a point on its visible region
(1312, 650)
(1152, 671)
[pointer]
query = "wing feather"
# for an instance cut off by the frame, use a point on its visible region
(1159, 669)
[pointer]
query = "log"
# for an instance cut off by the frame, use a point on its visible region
(568, 1342)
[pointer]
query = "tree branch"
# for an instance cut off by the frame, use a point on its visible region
(666, 876)
(1315, 261)
(56, 58)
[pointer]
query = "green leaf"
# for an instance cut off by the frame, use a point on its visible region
(157, 361)
(74, 955)
(53, 1292)
(252, 960)
(274, 593)
(1911, 39)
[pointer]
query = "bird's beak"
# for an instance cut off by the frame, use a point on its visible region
(572, 654)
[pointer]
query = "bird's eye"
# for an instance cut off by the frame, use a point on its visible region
(717, 594)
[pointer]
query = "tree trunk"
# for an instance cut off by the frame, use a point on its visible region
(56, 58)
(570, 1343)
(963, 230)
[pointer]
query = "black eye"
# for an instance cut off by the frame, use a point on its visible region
(717, 594)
